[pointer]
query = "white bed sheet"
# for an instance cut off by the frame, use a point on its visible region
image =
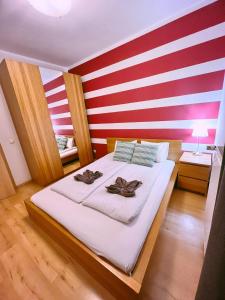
(119, 243)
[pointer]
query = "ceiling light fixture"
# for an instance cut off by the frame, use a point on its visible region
(53, 8)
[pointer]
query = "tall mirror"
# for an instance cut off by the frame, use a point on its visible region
(60, 114)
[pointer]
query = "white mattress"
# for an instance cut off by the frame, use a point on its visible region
(119, 243)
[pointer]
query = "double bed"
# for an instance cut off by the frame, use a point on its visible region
(118, 254)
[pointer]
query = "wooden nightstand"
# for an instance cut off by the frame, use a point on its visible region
(194, 172)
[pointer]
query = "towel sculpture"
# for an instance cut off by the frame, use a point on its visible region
(88, 176)
(124, 188)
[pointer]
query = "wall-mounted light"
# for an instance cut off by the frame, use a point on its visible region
(53, 8)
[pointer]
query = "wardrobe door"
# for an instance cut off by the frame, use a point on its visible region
(24, 93)
(79, 117)
(7, 185)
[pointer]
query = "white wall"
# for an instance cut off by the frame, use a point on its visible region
(49, 74)
(11, 145)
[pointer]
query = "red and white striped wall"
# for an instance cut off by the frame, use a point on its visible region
(161, 83)
(58, 106)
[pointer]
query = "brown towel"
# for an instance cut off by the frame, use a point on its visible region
(124, 188)
(88, 176)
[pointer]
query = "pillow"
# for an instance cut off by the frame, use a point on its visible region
(163, 152)
(144, 155)
(134, 142)
(61, 142)
(124, 151)
(70, 142)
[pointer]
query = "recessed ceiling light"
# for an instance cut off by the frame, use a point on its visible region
(53, 8)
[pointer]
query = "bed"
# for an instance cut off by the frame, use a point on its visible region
(70, 153)
(79, 228)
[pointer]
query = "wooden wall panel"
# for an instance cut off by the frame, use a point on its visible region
(7, 185)
(24, 93)
(79, 117)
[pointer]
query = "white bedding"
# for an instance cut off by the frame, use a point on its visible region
(118, 242)
(121, 208)
(78, 191)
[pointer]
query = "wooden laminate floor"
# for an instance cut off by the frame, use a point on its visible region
(34, 267)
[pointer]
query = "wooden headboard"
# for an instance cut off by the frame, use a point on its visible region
(174, 150)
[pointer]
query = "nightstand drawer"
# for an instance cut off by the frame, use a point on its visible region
(194, 185)
(194, 171)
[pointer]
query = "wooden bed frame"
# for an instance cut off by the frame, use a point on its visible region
(121, 285)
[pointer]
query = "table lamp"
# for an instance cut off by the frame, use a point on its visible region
(199, 131)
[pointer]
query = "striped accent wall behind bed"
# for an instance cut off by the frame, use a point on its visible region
(159, 84)
(58, 106)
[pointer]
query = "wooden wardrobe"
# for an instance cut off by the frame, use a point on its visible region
(22, 86)
(24, 93)
(7, 185)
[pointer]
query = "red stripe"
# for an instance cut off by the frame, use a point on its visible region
(174, 134)
(57, 97)
(201, 53)
(59, 109)
(62, 121)
(179, 112)
(101, 150)
(197, 84)
(54, 83)
(198, 20)
(64, 131)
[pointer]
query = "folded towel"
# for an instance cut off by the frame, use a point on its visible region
(123, 187)
(88, 176)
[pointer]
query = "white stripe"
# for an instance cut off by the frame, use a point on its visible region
(180, 124)
(55, 90)
(185, 146)
(98, 141)
(179, 44)
(61, 116)
(193, 146)
(57, 127)
(207, 67)
(212, 96)
(58, 103)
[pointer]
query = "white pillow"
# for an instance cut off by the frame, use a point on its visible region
(163, 150)
(70, 143)
(134, 142)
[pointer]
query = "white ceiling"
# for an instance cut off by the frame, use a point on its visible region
(90, 26)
